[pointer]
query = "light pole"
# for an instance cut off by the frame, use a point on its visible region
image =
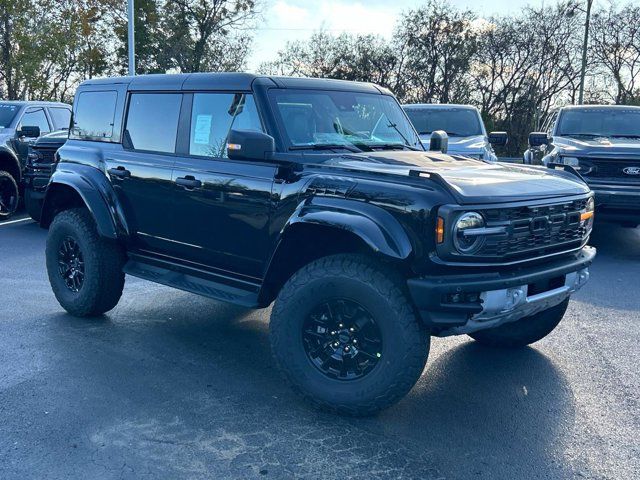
(131, 39)
(585, 45)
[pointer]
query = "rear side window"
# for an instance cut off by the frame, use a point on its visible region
(152, 121)
(61, 117)
(213, 115)
(94, 115)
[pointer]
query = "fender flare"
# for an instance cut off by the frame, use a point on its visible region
(96, 192)
(376, 227)
(13, 158)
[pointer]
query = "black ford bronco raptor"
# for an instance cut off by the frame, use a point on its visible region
(316, 195)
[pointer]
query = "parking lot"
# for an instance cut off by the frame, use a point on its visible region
(173, 385)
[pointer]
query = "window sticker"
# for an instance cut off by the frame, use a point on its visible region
(202, 131)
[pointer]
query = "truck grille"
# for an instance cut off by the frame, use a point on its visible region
(602, 168)
(46, 155)
(534, 230)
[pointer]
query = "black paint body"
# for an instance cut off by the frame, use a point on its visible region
(250, 224)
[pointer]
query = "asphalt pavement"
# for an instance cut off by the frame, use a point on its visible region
(172, 385)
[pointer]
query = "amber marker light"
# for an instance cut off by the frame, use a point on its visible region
(440, 230)
(586, 216)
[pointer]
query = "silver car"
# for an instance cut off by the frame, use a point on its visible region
(464, 127)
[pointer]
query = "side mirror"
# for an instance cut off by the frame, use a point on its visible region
(28, 131)
(439, 141)
(249, 145)
(537, 139)
(498, 139)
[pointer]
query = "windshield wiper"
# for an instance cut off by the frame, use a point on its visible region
(392, 146)
(593, 135)
(326, 146)
(625, 136)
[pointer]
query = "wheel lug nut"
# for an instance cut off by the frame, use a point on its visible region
(352, 329)
(336, 344)
(346, 349)
(355, 340)
(340, 325)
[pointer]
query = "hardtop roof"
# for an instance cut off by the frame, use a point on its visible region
(230, 81)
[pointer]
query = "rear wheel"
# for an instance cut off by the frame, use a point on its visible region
(523, 332)
(346, 337)
(9, 195)
(85, 270)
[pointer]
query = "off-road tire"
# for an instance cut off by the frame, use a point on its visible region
(103, 261)
(522, 332)
(405, 343)
(7, 181)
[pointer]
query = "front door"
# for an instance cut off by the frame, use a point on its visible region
(222, 206)
(33, 117)
(140, 169)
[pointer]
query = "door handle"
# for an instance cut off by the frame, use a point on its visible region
(188, 182)
(119, 172)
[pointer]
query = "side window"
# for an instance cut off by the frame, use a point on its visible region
(213, 115)
(35, 117)
(94, 114)
(152, 121)
(61, 117)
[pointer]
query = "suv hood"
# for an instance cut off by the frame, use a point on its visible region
(598, 147)
(54, 139)
(469, 181)
(473, 145)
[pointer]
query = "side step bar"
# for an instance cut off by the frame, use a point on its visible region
(193, 284)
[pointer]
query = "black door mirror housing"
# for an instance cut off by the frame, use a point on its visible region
(537, 139)
(28, 131)
(498, 139)
(249, 145)
(439, 141)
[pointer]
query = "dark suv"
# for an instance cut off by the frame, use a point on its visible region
(318, 195)
(21, 123)
(601, 142)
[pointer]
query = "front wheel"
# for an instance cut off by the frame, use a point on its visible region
(8, 195)
(85, 270)
(346, 337)
(523, 332)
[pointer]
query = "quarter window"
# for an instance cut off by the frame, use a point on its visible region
(94, 115)
(152, 121)
(213, 115)
(36, 117)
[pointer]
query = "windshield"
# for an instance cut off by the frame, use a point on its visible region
(7, 114)
(350, 120)
(457, 122)
(600, 122)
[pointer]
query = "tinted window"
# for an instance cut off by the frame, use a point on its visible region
(456, 122)
(213, 115)
(35, 117)
(152, 121)
(600, 122)
(94, 114)
(7, 114)
(61, 117)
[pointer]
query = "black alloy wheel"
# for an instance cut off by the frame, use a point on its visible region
(342, 339)
(8, 195)
(71, 264)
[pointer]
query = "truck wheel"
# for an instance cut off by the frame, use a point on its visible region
(346, 337)
(8, 195)
(522, 332)
(85, 270)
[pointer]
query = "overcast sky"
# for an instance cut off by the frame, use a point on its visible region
(286, 20)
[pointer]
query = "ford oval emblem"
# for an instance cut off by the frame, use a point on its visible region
(631, 170)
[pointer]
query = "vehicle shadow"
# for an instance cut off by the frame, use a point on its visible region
(196, 378)
(480, 411)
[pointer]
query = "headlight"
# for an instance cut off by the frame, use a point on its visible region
(571, 161)
(586, 215)
(463, 238)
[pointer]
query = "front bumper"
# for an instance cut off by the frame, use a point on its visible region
(457, 304)
(616, 202)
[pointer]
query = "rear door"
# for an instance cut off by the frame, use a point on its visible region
(222, 205)
(140, 170)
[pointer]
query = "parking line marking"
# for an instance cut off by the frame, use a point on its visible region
(16, 221)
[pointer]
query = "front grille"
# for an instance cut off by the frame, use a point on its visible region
(533, 231)
(602, 168)
(46, 155)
